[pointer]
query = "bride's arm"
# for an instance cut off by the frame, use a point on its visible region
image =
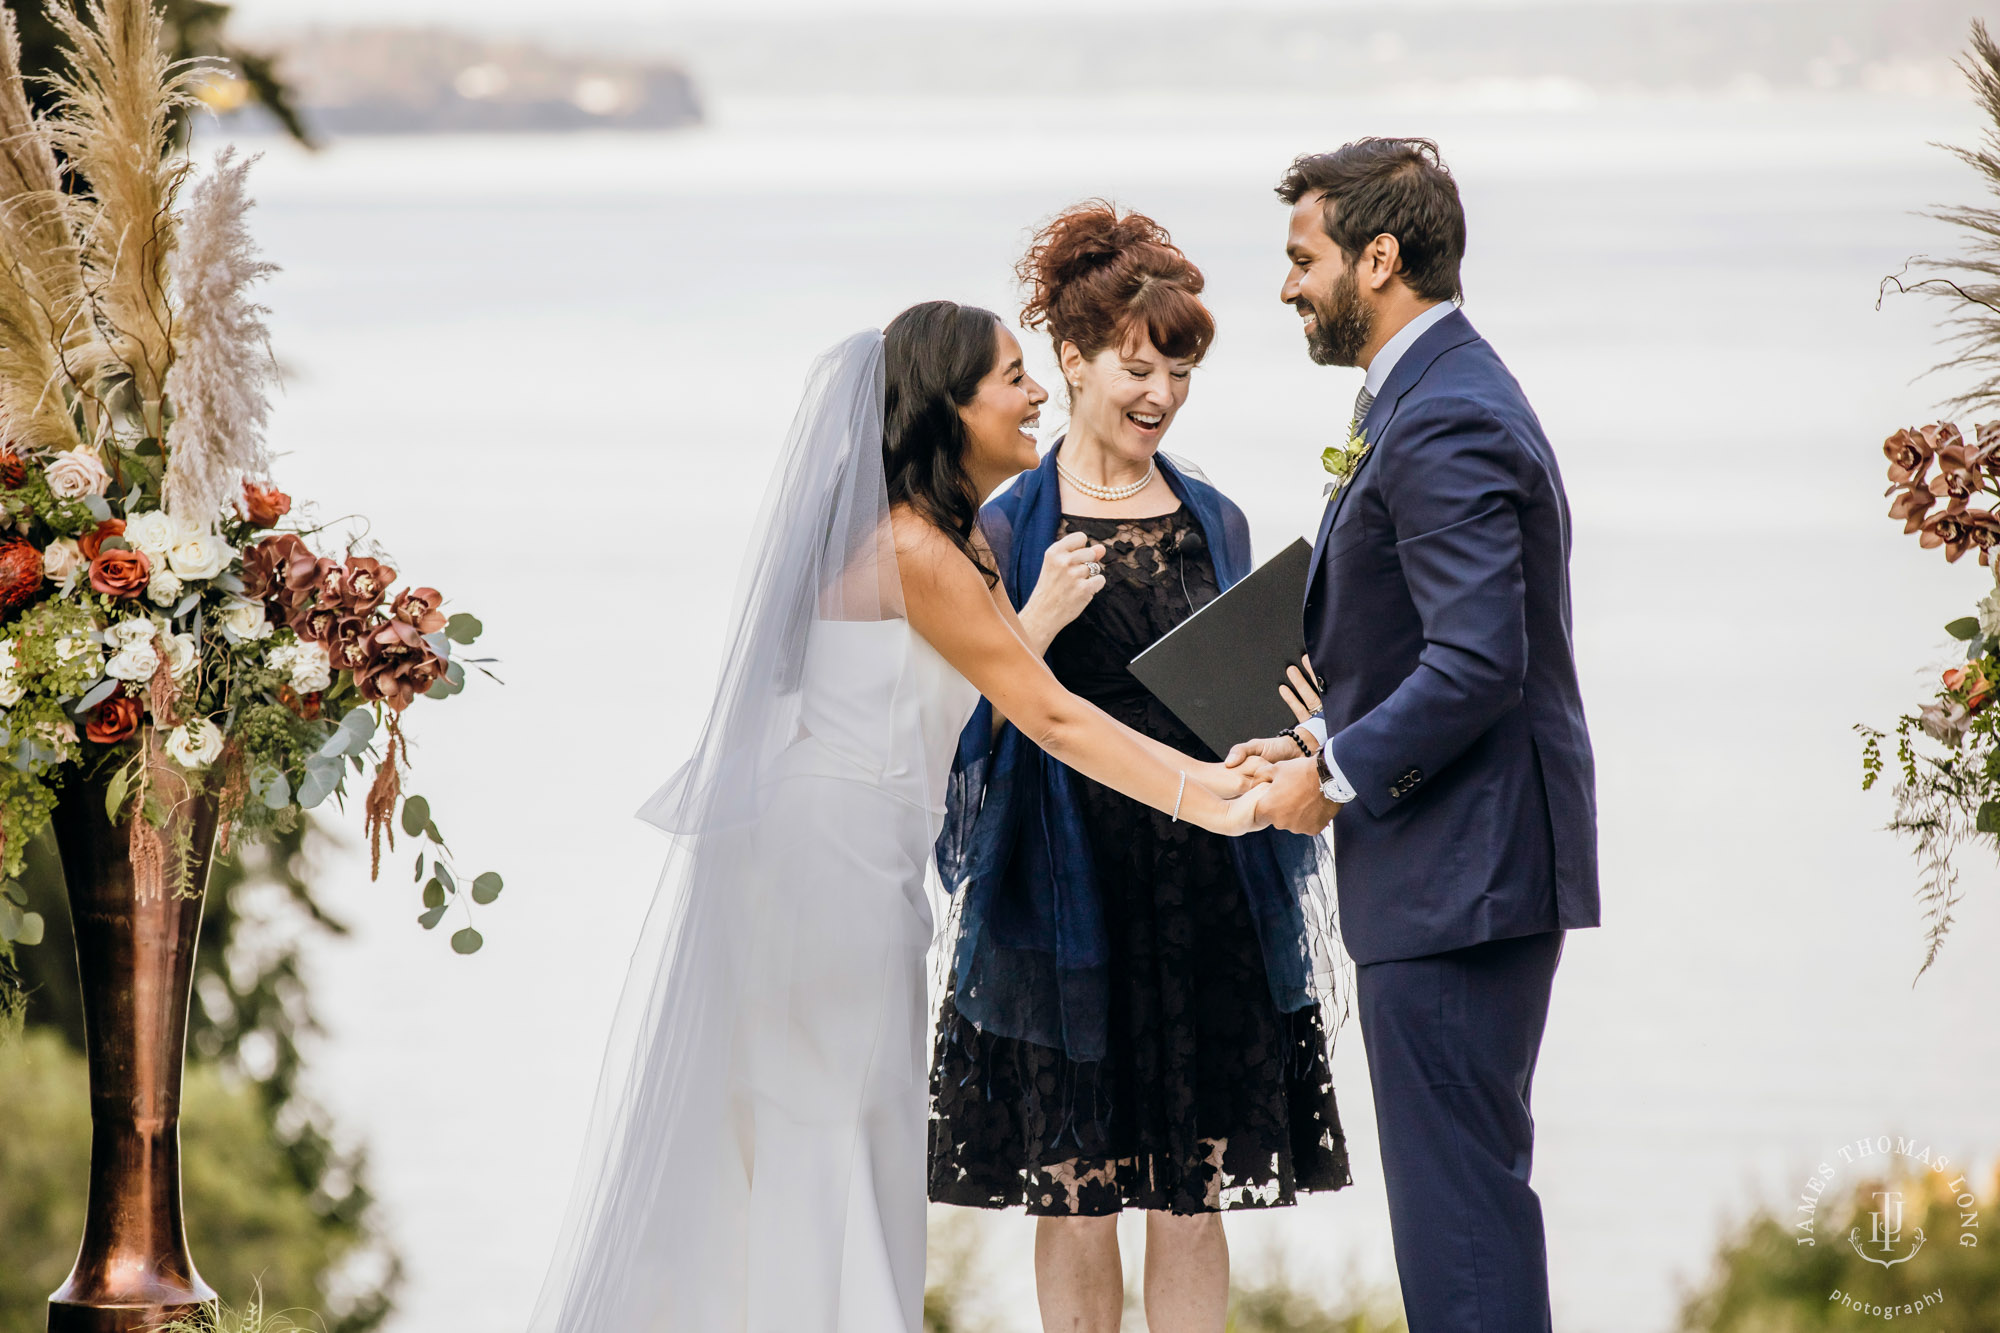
(1221, 779)
(949, 603)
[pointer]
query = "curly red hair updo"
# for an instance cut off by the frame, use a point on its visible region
(1095, 278)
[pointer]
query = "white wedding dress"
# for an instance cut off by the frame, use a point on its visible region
(756, 1161)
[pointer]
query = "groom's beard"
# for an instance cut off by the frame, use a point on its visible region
(1343, 326)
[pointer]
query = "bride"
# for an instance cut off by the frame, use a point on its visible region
(756, 1156)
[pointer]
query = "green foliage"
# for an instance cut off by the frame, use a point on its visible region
(254, 1317)
(1274, 1305)
(1765, 1280)
(250, 1220)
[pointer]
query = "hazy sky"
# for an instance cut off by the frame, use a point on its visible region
(500, 13)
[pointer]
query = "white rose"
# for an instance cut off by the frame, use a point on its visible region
(133, 656)
(243, 621)
(200, 555)
(1989, 613)
(308, 664)
(195, 744)
(77, 472)
(163, 589)
(136, 664)
(62, 559)
(182, 654)
(128, 632)
(152, 532)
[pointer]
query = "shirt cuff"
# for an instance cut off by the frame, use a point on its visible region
(1335, 787)
(1317, 726)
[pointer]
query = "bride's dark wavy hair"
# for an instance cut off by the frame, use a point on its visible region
(934, 356)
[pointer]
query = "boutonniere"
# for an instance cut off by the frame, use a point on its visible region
(1340, 460)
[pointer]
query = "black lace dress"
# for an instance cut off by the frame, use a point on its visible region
(1210, 1098)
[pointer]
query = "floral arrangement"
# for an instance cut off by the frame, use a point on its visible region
(1945, 490)
(170, 631)
(1947, 753)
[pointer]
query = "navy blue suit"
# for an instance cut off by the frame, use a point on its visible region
(1438, 612)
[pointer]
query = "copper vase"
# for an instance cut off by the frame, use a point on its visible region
(135, 948)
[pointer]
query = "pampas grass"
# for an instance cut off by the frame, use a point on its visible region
(42, 320)
(218, 378)
(117, 105)
(1971, 283)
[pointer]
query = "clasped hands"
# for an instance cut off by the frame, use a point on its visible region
(1293, 802)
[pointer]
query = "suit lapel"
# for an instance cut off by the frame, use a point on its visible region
(1454, 330)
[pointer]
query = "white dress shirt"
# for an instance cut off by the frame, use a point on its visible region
(1337, 787)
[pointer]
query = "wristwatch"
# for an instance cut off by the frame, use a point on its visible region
(1333, 784)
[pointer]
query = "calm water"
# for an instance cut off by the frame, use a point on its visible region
(553, 372)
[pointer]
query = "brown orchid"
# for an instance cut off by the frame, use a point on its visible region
(396, 665)
(357, 587)
(419, 607)
(1909, 455)
(1961, 467)
(1911, 505)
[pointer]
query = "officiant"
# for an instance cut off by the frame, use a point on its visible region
(1132, 1019)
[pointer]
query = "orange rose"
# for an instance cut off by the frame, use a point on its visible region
(13, 468)
(263, 506)
(120, 573)
(114, 719)
(91, 543)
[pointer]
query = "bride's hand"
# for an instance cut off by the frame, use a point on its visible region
(1072, 574)
(1230, 781)
(1243, 816)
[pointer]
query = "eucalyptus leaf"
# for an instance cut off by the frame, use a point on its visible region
(444, 874)
(227, 582)
(114, 795)
(430, 919)
(320, 780)
(12, 889)
(12, 922)
(486, 888)
(440, 643)
(132, 496)
(433, 894)
(99, 508)
(420, 866)
(416, 815)
(1965, 627)
(277, 792)
(96, 695)
(1989, 817)
(464, 627)
(466, 941)
(31, 928)
(186, 604)
(440, 689)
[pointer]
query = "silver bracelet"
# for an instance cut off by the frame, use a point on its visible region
(1177, 797)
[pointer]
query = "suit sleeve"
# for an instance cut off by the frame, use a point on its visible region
(1453, 493)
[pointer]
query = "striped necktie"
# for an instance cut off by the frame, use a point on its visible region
(1362, 402)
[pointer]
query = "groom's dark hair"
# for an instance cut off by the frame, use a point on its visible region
(1397, 186)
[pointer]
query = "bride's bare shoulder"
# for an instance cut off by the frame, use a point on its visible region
(920, 541)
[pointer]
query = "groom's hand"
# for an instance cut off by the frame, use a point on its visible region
(1292, 801)
(1274, 750)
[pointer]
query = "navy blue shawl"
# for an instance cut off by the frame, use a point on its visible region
(1032, 951)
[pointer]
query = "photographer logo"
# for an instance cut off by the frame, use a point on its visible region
(1913, 1187)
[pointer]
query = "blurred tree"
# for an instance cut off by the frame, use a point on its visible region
(250, 1220)
(196, 29)
(1765, 1281)
(250, 1014)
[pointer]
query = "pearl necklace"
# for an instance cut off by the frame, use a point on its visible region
(1096, 492)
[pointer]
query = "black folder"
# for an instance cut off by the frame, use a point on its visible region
(1219, 670)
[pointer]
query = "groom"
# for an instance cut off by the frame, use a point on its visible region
(1449, 752)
